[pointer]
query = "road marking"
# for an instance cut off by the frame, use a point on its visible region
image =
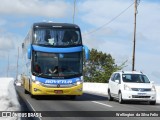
(33, 109)
(101, 103)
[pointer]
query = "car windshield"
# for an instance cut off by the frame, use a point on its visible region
(135, 78)
(57, 37)
(57, 65)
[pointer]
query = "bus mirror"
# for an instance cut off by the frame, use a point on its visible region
(29, 52)
(22, 45)
(86, 52)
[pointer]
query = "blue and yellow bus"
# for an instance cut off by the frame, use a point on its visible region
(53, 58)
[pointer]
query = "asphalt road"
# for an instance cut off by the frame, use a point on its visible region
(87, 107)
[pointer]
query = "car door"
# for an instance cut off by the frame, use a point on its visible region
(116, 84)
(111, 84)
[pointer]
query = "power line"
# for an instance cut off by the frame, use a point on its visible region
(92, 31)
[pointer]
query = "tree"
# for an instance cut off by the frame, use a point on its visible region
(99, 67)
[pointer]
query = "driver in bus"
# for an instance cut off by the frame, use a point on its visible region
(53, 70)
(37, 68)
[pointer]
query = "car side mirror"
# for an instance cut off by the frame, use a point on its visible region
(117, 81)
(152, 82)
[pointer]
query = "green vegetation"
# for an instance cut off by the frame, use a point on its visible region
(99, 67)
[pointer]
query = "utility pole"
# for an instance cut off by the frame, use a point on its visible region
(17, 65)
(134, 38)
(74, 10)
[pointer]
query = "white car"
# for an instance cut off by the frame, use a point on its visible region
(131, 85)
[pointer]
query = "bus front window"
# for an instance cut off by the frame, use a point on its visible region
(46, 63)
(57, 65)
(70, 64)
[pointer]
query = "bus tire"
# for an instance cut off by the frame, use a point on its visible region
(32, 96)
(72, 97)
(25, 91)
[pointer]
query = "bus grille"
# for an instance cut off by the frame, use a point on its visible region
(58, 86)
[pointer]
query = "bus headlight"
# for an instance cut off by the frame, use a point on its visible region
(79, 82)
(37, 82)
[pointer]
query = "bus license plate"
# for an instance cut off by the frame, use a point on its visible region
(58, 91)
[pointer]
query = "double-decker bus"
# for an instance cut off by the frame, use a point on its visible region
(53, 57)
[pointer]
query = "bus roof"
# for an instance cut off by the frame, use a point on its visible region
(57, 25)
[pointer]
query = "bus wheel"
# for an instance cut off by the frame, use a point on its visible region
(72, 97)
(25, 91)
(32, 96)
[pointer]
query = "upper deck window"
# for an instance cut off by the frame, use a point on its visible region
(57, 37)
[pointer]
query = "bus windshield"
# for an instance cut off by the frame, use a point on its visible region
(57, 37)
(57, 65)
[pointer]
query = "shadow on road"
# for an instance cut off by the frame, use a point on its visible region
(84, 97)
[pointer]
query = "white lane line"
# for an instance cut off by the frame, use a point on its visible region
(101, 103)
(33, 109)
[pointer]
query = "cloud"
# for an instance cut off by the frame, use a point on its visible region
(2, 22)
(45, 8)
(19, 24)
(117, 37)
(9, 44)
(6, 42)
(98, 12)
(120, 31)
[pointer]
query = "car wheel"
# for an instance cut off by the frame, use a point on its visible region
(110, 98)
(152, 102)
(120, 100)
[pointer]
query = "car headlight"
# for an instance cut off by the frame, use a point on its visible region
(126, 87)
(153, 88)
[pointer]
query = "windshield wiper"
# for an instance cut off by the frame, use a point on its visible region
(38, 74)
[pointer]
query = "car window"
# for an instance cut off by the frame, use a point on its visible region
(112, 77)
(117, 77)
(135, 78)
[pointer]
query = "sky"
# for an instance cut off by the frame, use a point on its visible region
(106, 25)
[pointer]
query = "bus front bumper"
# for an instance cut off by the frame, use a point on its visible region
(38, 89)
